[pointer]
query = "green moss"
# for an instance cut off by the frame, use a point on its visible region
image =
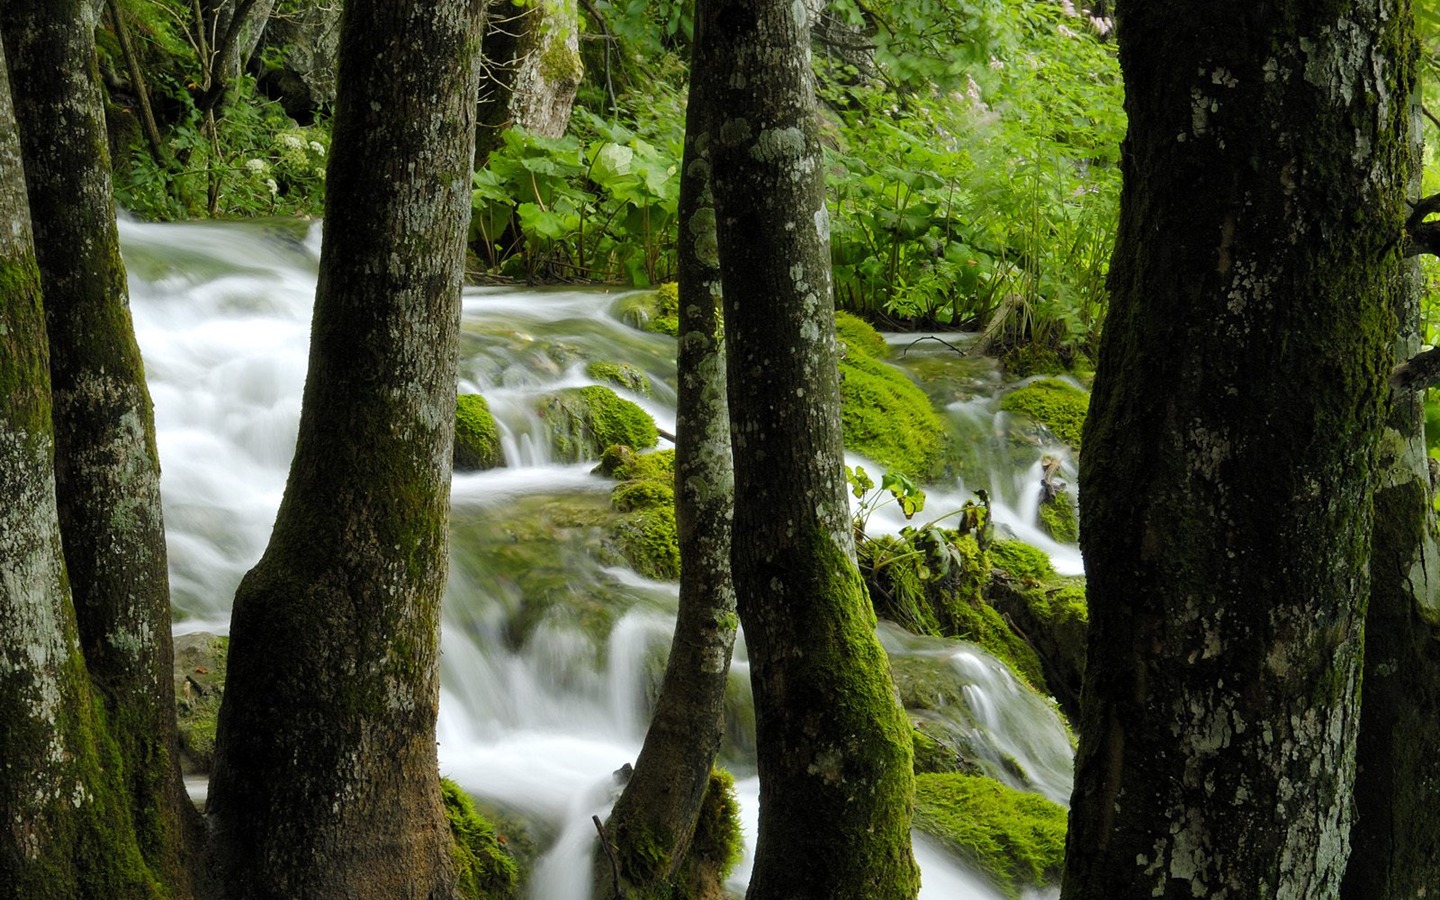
(928, 593)
(931, 755)
(857, 336)
(650, 544)
(484, 868)
(1016, 839)
(621, 375)
(1033, 359)
(718, 844)
(1057, 405)
(624, 464)
(886, 418)
(477, 439)
(585, 421)
(1021, 560)
(633, 495)
(200, 669)
(656, 311)
(1059, 519)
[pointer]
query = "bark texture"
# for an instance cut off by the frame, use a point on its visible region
(834, 746)
(654, 820)
(531, 71)
(107, 470)
(1396, 838)
(325, 782)
(1229, 470)
(64, 819)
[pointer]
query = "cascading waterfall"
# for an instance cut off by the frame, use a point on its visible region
(536, 723)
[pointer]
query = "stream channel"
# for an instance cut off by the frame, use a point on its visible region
(534, 726)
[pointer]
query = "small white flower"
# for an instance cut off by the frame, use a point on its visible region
(1066, 31)
(996, 65)
(290, 141)
(317, 148)
(1068, 8)
(274, 188)
(255, 166)
(1103, 25)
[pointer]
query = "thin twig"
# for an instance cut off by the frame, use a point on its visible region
(1429, 115)
(610, 852)
(931, 337)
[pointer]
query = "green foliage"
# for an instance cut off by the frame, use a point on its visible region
(1015, 838)
(1057, 405)
(1059, 519)
(485, 870)
(600, 204)
(477, 440)
(1021, 560)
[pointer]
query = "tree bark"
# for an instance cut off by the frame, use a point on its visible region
(654, 820)
(325, 781)
(1396, 837)
(107, 469)
(66, 830)
(1229, 465)
(531, 72)
(834, 753)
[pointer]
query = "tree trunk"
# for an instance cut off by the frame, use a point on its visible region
(834, 746)
(532, 70)
(66, 825)
(1396, 837)
(1229, 469)
(654, 820)
(325, 779)
(107, 469)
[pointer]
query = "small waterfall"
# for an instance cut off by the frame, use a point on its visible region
(549, 653)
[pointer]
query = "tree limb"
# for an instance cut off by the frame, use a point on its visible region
(1423, 237)
(1418, 372)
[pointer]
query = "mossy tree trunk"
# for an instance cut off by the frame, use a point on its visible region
(1230, 463)
(654, 820)
(1396, 837)
(107, 469)
(65, 813)
(834, 747)
(326, 780)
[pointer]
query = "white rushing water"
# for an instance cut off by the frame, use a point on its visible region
(536, 723)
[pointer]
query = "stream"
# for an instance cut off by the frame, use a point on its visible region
(535, 720)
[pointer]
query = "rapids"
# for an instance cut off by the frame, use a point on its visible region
(222, 312)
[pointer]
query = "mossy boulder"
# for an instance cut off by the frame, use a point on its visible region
(621, 375)
(584, 421)
(1016, 839)
(484, 868)
(1059, 518)
(884, 415)
(200, 663)
(646, 535)
(656, 311)
(938, 590)
(931, 754)
(1058, 405)
(477, 439)
(1049, 608)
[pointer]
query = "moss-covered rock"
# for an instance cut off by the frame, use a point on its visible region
(1016, 839)
(477, 439)
(657, 311)
(650, 543)
(932, 755)
(620, 375)
(200, 660)
(1049, 608)
(484, 867)
(584, 421)
(1059, 519)
(885, 417)
(1057, 405)
(717, 846)
(943, 597)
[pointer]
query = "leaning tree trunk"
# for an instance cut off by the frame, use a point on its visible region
(1396, 838)
(66, 830)
(1229, 468)
(654, 820)
(107, 469)
(326, 780)
(531, 72)
(834, 745)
